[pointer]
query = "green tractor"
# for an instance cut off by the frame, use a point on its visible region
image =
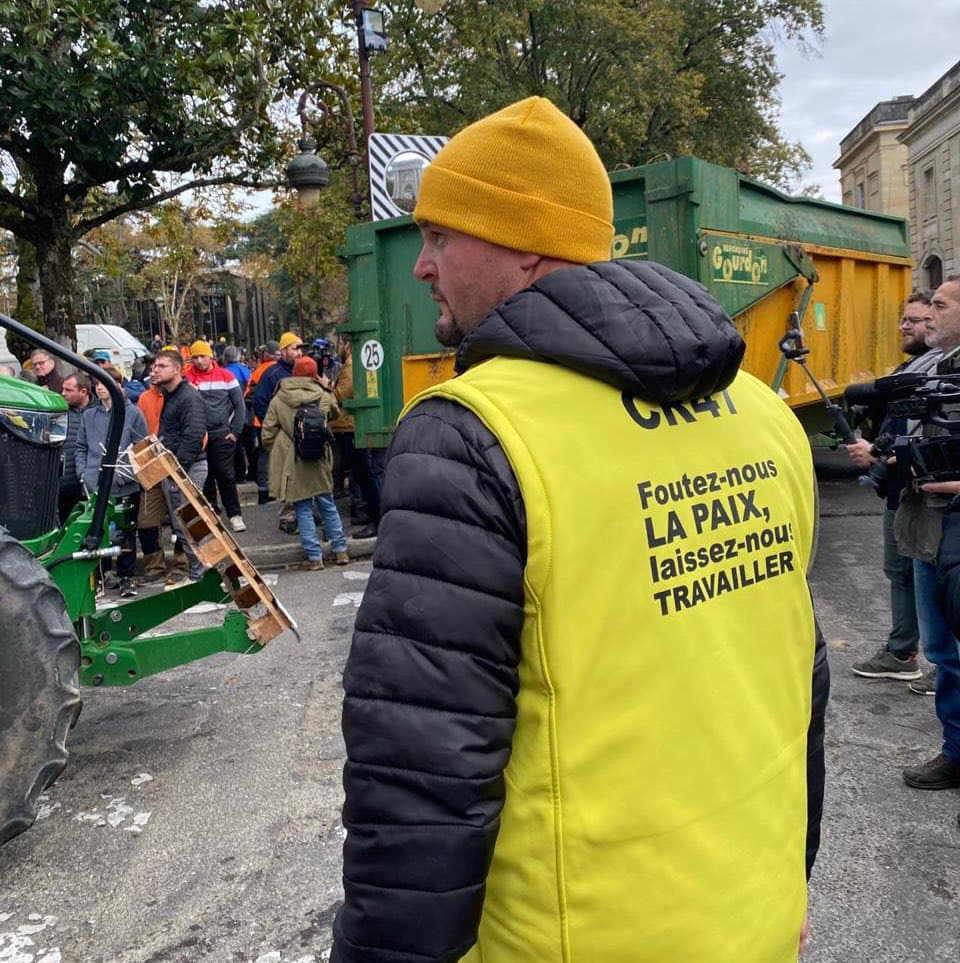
(53, 636)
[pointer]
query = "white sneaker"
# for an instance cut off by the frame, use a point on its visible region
(238, 524)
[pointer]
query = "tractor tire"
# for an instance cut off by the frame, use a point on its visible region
(39, 697)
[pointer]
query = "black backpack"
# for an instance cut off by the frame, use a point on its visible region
(311, 436)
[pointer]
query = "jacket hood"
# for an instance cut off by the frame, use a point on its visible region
(633, 324)
(298, 391)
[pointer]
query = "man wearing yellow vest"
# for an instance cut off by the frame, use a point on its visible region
(582, 715)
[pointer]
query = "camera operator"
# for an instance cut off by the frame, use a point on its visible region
(322, 351)
(897, 658)
(918, 527)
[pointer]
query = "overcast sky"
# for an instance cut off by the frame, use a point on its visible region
(872, 50)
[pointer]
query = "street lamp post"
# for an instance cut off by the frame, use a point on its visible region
(160, 305)
(308, 173)
(370, 37)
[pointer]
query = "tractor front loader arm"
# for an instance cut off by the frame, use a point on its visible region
(115, 649)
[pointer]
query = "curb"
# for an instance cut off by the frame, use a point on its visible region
(289, 555)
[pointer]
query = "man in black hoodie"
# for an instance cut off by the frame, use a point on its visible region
(182, 430)
(560, 748)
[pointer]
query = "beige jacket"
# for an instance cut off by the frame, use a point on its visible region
(292, 480)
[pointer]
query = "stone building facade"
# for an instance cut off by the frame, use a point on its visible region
(873, 161)
(932, 139)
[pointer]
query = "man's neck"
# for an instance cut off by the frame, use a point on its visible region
(171, 386)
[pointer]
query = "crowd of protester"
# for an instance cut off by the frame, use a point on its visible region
(209, 404)
(489, 654)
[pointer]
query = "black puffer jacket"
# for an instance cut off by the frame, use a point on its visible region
(183, 423)
(70, 480)
(432, 678)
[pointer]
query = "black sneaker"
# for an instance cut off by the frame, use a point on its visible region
(111, 581)
(885, 665)
(127, 591)
(941, 772)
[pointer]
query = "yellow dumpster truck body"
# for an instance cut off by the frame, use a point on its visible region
(762, 254)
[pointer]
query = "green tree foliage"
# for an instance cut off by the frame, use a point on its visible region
(105, 274)
(296, 251)
(182, 244)
(643, 78)
(100, 98)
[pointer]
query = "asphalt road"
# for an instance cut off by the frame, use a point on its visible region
(198, 819)
(886, 886)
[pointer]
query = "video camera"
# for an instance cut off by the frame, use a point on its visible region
(323, 352)
(923, 397)
(926, 398)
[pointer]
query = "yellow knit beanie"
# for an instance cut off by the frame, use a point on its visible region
(200, 348)
(526, 178)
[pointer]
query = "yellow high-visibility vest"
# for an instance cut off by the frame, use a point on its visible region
(656, 791)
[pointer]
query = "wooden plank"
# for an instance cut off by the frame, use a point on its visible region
(211, 553)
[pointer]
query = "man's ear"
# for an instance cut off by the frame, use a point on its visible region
(537, 266)
(530, 262)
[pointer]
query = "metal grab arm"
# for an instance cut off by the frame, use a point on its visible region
(793, 349)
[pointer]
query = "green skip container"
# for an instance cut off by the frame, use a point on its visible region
(761, 253)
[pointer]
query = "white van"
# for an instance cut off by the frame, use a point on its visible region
(124, 348)
(5, 356)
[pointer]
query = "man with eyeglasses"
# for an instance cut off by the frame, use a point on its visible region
(45, 368)
(897, 658)
(183, 424)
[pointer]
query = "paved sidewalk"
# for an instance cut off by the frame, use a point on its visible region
(270, 549)
(885, 887)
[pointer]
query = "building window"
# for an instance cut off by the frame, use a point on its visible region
(873, 192)
(928, 194)
(932, 272)
(861, 195)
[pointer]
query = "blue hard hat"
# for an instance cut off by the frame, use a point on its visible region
(321, 343)
(99, 355)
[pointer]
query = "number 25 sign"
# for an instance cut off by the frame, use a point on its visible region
(371, 355)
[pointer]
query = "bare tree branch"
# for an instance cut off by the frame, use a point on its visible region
(181, 163)
(89, 223)
(8, 198)
(18, 226)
